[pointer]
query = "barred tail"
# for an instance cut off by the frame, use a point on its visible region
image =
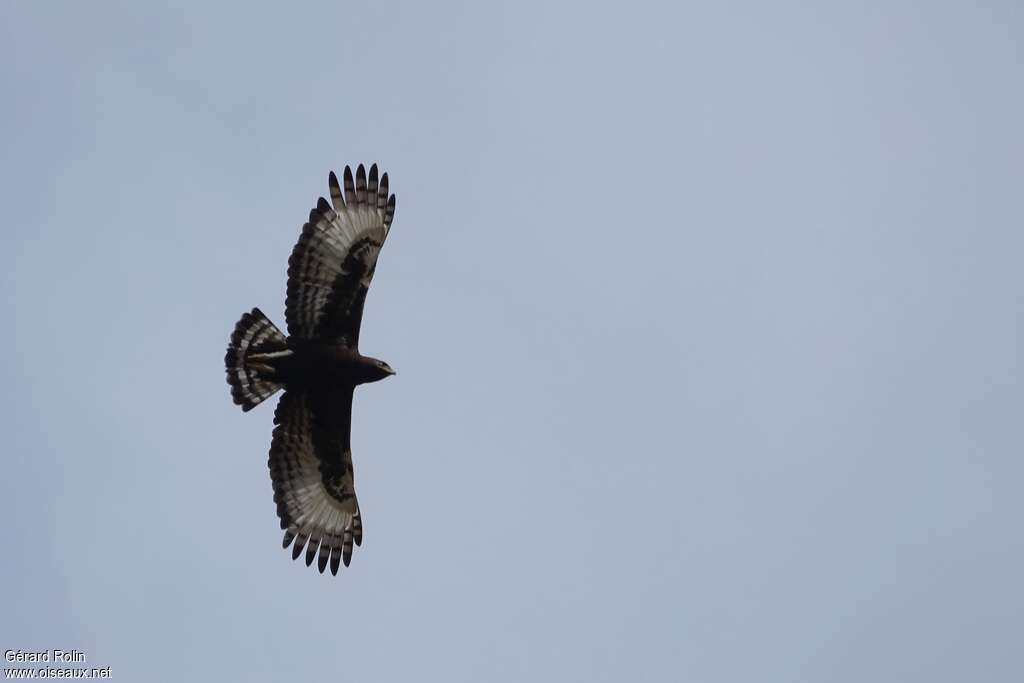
(250, 376)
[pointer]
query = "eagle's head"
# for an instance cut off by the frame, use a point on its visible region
(378, 370)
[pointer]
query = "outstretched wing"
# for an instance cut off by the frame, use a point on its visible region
(332, 264)
(311, 469)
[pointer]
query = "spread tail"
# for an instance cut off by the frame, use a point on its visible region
(253, 342)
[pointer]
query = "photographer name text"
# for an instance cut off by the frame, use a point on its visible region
(64, 656)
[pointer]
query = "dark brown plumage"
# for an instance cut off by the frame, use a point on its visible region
(318, 365)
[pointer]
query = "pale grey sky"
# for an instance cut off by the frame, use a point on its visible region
(707, 321)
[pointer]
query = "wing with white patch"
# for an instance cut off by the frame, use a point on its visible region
(311, 470)
(331, 266)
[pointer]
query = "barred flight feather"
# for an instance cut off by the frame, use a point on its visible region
(251, 383)
(313, 486)
(331, 266)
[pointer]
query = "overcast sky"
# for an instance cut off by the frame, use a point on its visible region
(707, 319)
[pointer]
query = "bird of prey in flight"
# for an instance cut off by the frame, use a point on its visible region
(318, 365)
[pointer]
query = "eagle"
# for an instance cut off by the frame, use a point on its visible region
(318, 365)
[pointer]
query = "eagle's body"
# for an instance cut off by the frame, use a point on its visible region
(314, 365)
(319, 366)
